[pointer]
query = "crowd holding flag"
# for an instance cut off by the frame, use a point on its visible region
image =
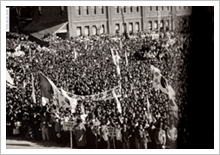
(67, 102)
(159, 82)
(73, 101)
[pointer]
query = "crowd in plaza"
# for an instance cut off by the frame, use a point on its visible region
(84, 66)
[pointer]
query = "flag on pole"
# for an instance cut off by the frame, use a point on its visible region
(116, 59)
(9, 79)
(73, 101)
(46, 89)
(50, 91)
(33, 90)
(126, 58)
(148, 105)
(83, 115)
(117, 101)
(75, 53)
(159, 82)
(121, 46)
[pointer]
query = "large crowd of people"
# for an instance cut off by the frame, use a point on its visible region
(84, 66)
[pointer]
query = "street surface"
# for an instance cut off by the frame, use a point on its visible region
(18, 143)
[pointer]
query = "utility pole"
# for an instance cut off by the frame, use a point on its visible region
(125, 29)
(159, 18)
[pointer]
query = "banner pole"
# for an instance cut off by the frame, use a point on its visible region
(71, 139)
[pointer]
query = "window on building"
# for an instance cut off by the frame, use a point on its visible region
(137, 27)
(78, 31)
(156, 8)
(161, 7)
(78, 10)
(117, 28)
(150, 25)
(102, 30)
(168, 7)
(118, 9)
(161, 24)
(124, 8)
(130, 28)
(61, 10)
(123, 27)
(184, 7)
(86, 30)
(87, 10)
(130, 8)
(93, 9)
(94, 30)
(167, 25)
(137, 8)
(101, 9)
(156, 24)
(150, 8)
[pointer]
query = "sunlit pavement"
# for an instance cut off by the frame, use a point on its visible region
(18, 143)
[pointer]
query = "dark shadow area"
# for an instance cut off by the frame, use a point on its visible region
(201, 80)
(19, 144)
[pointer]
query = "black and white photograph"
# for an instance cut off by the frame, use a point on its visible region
(108, 77)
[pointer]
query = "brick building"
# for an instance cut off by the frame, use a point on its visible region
(68, 21)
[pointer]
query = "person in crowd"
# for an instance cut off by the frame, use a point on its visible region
(80, 134)
(125, 137)
(160, 136)
(44, 126)
(172, 136)
(92, 58)
(118, 136)
(57, 129)
(104, 136)
(143, 137)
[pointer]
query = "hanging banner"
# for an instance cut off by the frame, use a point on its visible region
(68, 126)
(107, 95)
(155, 36)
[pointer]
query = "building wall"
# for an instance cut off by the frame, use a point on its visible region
(85, 20)
(143, 18)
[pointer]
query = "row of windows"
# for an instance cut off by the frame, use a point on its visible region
(131, 27)
(127, 9)
(94, 10)
(162, 8)
(90, 30)
(163, 25)
(168, 8)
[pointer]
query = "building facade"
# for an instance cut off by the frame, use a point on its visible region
(90, 20)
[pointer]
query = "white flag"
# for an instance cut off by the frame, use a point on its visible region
(148, 105)
(121, 46)
(117, 101)
(75, 54)
(126, 58)
(44, 101)
(8, 78)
